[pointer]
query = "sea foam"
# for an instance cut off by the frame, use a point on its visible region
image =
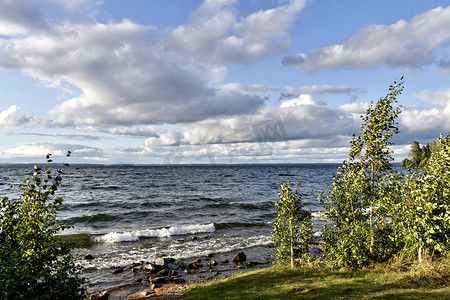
(132, 236)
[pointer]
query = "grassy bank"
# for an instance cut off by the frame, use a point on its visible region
(323, 283)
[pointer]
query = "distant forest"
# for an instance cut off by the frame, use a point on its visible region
(418, 156)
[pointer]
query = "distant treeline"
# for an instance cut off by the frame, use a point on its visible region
(418, 156)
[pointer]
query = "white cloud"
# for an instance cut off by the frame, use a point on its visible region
(435, 120)
(309, 89)
(213, 33)
(355, 107)
(416, 43)
(124, 75)
(301, 119)
(7, 116)
(301, 100)
(439, 97)
(36, 151)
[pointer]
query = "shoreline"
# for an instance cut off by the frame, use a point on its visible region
(168, 277)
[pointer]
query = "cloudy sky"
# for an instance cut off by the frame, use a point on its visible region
(215, 81)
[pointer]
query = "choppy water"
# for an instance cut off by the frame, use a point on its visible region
(126, 214)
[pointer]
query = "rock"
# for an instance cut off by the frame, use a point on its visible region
(141, 294)
(163, 272)
(224, 261)
(152, 268)
(265, 260)
(99, 295)
(194, 238)
(170, 260)
(159, 280)
(240, 257)
(137, 268)
(209, 255)
(194, 266)
(146, 283)
(213, 263)
(117, 271)
(198, 260)
(132, 266)
(89, 257)
(176, 279)
(140, 246)
(162, 262)
(251, 264)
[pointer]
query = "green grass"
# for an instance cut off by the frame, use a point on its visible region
(325, 283)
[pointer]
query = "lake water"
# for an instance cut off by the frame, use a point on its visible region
(126, 214)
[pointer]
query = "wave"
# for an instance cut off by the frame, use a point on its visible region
(133, 236)
(92, 218)
(247, 206)
(221, 226)
(318, 215)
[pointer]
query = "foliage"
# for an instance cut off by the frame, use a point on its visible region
(34, 263)
(418, 156)
(423, 218)
(293, 227)
(356, 203)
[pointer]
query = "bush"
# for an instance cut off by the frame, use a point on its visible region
(423, 217)
(293, 227)
(34, 263)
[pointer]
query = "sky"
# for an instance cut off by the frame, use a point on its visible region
(215, 81)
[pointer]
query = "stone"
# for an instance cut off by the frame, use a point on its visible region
(89, 257)
(163, 272)
(213, 263)
(162, 262)
(194, 266)
(99, 295)
(152, 268)
(225, 261)
(176, 279)
(142, 294)
(251, 264)
(159, 280)
(265, 260)
(170, 260)
(209, 255)
(117, 271)
(240, 257)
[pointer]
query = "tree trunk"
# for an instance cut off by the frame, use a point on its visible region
(292, 244)
(420, 254)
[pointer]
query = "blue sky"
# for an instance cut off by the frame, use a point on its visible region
(224, 81)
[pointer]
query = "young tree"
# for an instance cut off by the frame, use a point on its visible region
(423, 217)
(355, 203)
(293, 227)
(34, 263)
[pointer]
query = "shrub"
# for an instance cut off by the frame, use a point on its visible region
(293, 227)
(34, 263)
(423, 217)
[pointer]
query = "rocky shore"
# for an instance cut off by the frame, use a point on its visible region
(167, 277)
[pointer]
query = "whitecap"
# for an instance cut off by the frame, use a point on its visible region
(118, 237)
